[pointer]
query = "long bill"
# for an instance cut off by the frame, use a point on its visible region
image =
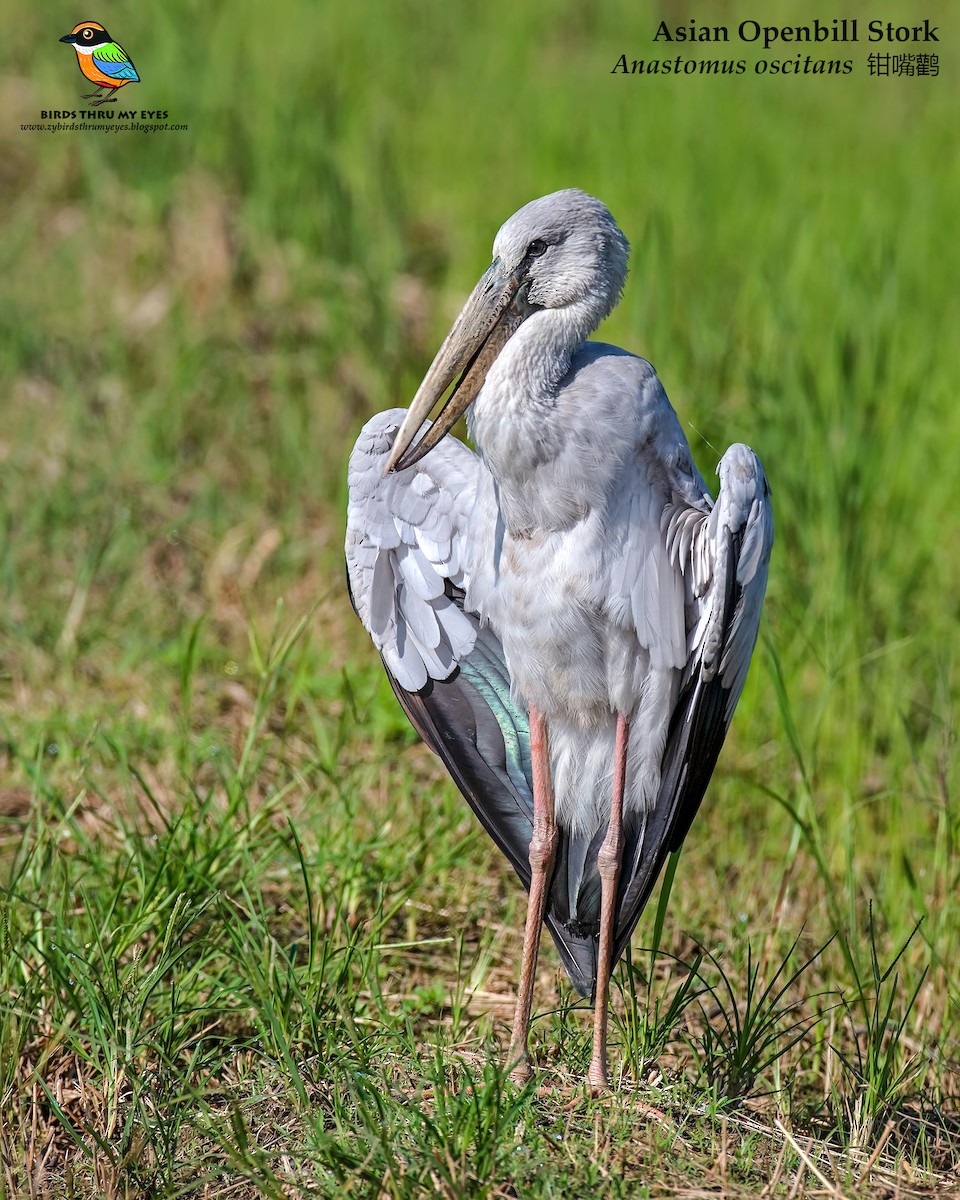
(496, 308)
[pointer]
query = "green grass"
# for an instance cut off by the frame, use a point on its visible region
(251, 941)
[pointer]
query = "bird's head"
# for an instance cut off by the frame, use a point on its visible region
(86, 35)
(562, 251)
(568, 249)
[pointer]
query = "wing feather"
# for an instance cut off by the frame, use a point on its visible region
(113, 60)
(401, 532)
(723, 554)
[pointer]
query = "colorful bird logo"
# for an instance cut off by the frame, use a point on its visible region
(103, 61)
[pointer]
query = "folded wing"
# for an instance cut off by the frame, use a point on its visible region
(721, 552)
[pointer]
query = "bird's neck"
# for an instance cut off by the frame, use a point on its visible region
(514, 422)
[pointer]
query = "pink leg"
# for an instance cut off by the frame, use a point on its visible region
(608, 865)
(543, 849)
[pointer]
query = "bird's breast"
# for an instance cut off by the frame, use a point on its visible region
(542, 595)
(569, 658)
(90, 69)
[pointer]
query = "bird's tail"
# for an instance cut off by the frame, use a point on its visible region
(578, 953)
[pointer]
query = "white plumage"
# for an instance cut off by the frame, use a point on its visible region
(580, 534)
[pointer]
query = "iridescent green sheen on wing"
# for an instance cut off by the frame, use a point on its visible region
(490, 679)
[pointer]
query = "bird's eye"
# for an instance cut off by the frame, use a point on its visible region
(537, 247)
(88, 34)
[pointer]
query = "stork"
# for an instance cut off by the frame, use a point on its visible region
(566, 615)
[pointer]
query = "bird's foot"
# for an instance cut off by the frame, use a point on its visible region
(598, 1082)
(104, 100)
(522, 1072)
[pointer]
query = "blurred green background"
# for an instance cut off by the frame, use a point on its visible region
(194, 325)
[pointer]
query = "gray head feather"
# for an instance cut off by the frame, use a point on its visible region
(585, 254)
